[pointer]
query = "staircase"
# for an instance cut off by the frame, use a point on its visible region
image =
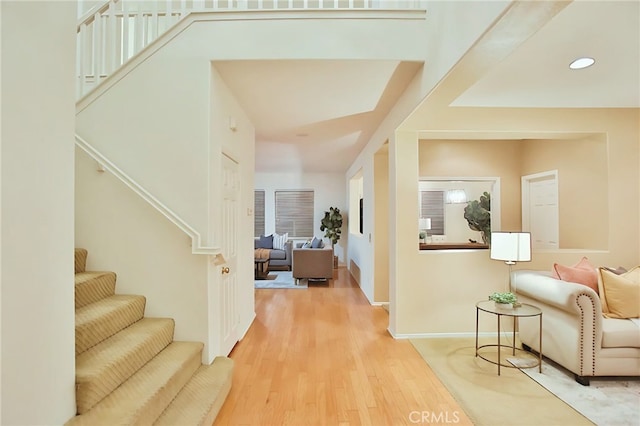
(129, 370)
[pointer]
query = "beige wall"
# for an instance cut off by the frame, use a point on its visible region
(188, 151)
(582, 186)
(238, 144)
(444, 44)
(435, 292)
(38, 108)
(149, 254)
(581, 163)
(478, 158)
(163, 146)
(381, 225)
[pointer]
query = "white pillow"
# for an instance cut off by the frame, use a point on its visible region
(279, 241)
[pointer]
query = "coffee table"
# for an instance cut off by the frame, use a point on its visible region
(261, 268)
(521, 311)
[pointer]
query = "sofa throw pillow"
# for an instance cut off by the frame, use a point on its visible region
(620, 293)
(618, 271)
(316, 243)
(581, 273)
(582, 264)
(266, 242)
(280, 240)
(307, 244)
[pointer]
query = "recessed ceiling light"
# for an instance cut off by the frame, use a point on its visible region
(581, 63)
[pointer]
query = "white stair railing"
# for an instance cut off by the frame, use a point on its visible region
(197, 246)
(111, 34)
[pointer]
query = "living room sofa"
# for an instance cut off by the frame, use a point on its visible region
(575, 333)
(312, 263)
(278, 259)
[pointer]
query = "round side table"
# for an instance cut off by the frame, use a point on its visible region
(521, 311)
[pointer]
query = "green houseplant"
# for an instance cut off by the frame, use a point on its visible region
(331, 224)
(506, 298)
(478, 216)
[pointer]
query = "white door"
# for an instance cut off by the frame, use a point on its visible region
(228, 282)
(540, 210)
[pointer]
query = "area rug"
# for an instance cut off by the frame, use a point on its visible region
(279, 279)
(606, 401)
(488, 399)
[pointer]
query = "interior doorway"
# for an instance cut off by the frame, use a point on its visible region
(540, 213)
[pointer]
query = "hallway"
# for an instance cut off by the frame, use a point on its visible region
(322, 356)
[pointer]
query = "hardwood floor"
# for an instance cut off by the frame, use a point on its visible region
(323, 356)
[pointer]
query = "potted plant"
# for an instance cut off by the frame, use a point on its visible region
(504, 300)
(331, 224)
(423, 236)
(478, 215)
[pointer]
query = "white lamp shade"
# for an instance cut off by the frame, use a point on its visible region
(511, 246)
(424, 223)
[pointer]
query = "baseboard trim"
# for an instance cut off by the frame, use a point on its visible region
(482, 334)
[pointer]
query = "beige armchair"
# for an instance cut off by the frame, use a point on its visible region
(316, 263)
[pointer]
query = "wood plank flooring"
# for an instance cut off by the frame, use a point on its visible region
(323, 356)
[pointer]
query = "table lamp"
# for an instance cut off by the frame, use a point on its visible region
(511, 247)
(424, 223)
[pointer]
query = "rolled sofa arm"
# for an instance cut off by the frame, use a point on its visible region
(541, 286)
(571, 320)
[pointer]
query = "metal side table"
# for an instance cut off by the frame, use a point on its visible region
(521, 311)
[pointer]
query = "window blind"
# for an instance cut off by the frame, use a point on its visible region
(294, 213)
(258, 213)
(432, 206)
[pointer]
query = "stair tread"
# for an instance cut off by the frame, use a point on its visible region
(102, 368)
(199, 402)
(102, 319)
(92, 286)
(85, 276)
(80, 256)
(143, 397)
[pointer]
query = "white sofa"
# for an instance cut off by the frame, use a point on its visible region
(575, 334)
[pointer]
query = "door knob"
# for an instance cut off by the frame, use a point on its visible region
(225, 270)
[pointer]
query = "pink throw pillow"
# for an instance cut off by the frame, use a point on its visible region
(582, 264)
(582, 273)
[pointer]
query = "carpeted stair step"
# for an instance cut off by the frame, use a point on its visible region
(107, 365)
(141, 399)
(101, 320)
(199, 402)
(80, 259)
(94, 286)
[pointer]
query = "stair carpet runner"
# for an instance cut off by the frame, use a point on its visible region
(129, 370)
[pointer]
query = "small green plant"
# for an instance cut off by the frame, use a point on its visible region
(422, 235)
(507, 297)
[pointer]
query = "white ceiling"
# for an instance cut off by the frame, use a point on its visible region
(537, 74)
(316, 116)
